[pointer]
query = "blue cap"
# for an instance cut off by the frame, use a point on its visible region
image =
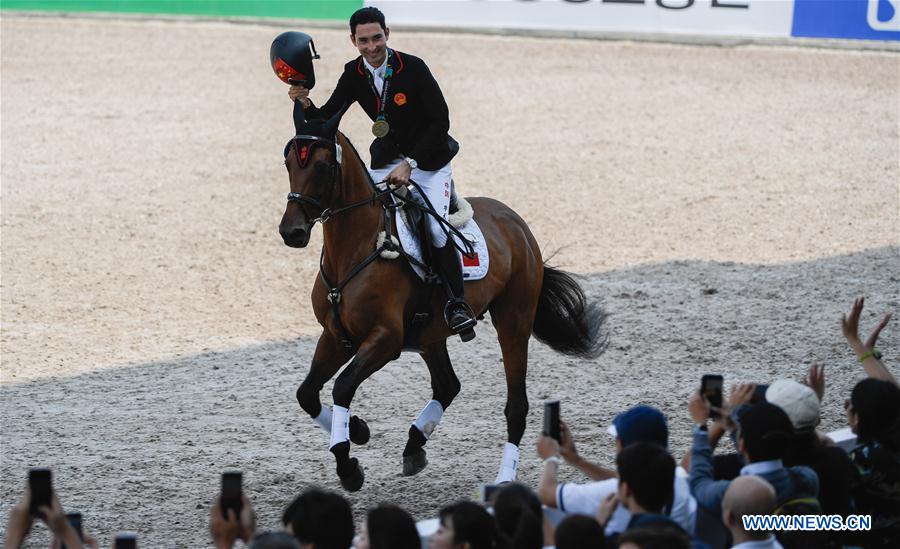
(640, 424)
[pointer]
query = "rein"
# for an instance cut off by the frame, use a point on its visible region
(335, 290)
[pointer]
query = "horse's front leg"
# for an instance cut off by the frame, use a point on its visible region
(382, 346)
(330, 355)
(444, 388)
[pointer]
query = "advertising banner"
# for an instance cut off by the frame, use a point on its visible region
(855, 19)
(705, 17)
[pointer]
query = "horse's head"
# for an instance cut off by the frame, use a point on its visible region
(313, 161)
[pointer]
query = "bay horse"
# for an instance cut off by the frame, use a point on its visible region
(366, 304)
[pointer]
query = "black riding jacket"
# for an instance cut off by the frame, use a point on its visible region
(416, 111)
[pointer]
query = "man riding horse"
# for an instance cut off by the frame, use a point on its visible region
(411, 121)
(371, 308)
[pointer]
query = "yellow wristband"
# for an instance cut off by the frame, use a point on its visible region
(873, 353)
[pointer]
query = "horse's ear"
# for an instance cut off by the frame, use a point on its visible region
(329, 129)
(299, 118)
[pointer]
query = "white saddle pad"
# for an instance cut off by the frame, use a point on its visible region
(473, 268)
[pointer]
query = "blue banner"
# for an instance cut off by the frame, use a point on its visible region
(857, 19)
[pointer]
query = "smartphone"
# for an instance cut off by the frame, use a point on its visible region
(551, 420)
(759, 394)
(40, 484)
(489, 492)
(75, 520)
(231, 492)
(125, 540)
(711, 390)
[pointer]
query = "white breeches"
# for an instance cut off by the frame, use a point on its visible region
(436, 186)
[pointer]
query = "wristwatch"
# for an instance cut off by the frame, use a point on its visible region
(412, 163)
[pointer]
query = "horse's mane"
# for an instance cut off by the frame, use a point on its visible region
(358, 158)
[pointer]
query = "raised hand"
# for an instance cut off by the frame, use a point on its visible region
(815, 379)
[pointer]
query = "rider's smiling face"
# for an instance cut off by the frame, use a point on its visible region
(371, 41)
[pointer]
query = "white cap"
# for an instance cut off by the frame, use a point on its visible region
(799, 402)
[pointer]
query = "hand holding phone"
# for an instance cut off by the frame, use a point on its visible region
(75, 520)
(711, 390)
(231, 493)
(551, 420)
(41, 487)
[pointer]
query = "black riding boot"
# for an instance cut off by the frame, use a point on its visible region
(457, 313)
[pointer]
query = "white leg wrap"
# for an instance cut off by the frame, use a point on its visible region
(323, 420)
(429, 417)
(509, 464)
(340, 425)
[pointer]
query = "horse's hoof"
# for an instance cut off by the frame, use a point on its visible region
(354, 478)
(359, 431)
(413, 465)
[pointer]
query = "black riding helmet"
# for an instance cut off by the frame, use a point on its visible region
(292, 55)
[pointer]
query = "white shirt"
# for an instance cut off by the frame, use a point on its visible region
(770, 543)
(377, 74)
(585, 499)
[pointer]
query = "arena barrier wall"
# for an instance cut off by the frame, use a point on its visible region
(841, 19)
(828, 19)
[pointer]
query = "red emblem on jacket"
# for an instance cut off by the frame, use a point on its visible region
(400, 99)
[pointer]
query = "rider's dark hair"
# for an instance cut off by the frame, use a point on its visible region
(362, 16)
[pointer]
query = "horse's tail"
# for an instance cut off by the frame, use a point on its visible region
(566, 320)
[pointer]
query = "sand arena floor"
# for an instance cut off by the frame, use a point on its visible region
(724, 204)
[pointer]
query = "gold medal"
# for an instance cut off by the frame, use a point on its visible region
(380, 128)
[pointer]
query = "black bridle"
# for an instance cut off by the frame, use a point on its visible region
(303, 156)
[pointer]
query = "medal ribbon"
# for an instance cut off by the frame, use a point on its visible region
(382, 98)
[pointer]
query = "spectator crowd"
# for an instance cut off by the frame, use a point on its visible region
(782, 466)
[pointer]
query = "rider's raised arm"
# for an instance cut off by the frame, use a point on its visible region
(342, 95)
(436, 111)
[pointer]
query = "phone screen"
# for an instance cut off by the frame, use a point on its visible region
(231, 492)
(125, 541)
(711, 389)
(551, 419)
(41, 488)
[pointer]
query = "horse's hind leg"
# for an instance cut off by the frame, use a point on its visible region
(328, 358)
(444, 388)
(513, 317)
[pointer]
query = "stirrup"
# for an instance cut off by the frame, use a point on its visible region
(458, 306)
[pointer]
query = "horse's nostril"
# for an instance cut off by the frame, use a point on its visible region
(293, 235)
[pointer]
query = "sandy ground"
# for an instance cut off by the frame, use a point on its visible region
(724, 204)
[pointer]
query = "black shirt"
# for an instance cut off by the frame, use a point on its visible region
(415, 109)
